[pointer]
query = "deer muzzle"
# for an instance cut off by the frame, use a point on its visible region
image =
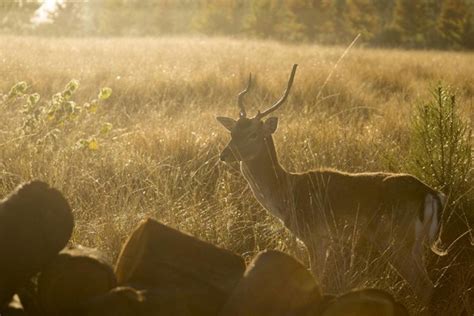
(227, 155)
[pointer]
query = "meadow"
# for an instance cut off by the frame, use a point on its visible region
(152, 148)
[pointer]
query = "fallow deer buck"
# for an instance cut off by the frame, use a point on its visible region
(391, 211)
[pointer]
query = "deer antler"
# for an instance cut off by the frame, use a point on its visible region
(283, 98)
(243, 113)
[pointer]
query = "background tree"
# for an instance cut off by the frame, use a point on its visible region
(410, 18)
(337, 22)
(219, 17)
(454, 23)
(442, 24)
(266, 18)
(308, 17)
(362, 17)
(15, 15)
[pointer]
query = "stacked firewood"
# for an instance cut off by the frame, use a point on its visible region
(160, 271)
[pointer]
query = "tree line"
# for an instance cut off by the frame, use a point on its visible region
(445, 24)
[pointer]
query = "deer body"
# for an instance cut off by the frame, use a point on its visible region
(287, 195)
(388, 211)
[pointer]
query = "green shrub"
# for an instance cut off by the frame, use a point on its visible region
(45, 122)
(441, 146)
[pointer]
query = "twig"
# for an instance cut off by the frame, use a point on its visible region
(336, 64)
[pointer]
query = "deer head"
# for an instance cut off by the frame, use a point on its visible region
(248, 134)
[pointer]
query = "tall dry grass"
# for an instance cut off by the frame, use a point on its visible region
(161, 158)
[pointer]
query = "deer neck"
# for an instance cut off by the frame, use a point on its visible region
(268, 180)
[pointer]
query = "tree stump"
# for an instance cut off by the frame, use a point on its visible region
(72, 279)
(274, 284)
(172, 265)
(368, 302)
(120, 301)
(35, 224)
(14, 308)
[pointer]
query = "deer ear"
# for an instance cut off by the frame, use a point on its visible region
(270, 125)
(227, 122)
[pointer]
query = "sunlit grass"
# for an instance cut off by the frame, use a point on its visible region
(161, 158)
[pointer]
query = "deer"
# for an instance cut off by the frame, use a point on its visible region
(391, 210)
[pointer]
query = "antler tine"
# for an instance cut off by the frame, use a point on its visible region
(243, 113)
(283, 98)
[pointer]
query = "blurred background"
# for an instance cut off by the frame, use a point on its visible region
(441, 24)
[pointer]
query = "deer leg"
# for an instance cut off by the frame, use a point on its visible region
(407, 260)
(318, 252)
(425, 285)
(409, 264)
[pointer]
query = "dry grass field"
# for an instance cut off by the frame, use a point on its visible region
(160, 158)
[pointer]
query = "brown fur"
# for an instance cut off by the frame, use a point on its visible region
(318, 206)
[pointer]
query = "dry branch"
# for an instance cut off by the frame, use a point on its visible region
(73, 278)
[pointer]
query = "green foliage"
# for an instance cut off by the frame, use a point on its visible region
(441, 145)
(362, 18)
(105, 93)
(412, 20)
(306, 16)
(46, 122)
(264, 17)
(454, 23)
(15, 15)
(216, 17)
(17, 90)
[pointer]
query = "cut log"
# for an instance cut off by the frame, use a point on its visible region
(35, 224)
(121, 301)
(274, 284)
(368, 302)
(14, 308)
(157, 257)
(73, 278)
(195, 299)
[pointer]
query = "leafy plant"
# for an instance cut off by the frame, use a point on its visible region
(45, 121)
(441, 145)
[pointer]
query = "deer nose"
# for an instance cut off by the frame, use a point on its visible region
(226, 154)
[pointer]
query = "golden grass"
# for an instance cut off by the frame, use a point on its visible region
(161, 158)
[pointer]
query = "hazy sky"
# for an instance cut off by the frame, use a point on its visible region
(45, 11)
